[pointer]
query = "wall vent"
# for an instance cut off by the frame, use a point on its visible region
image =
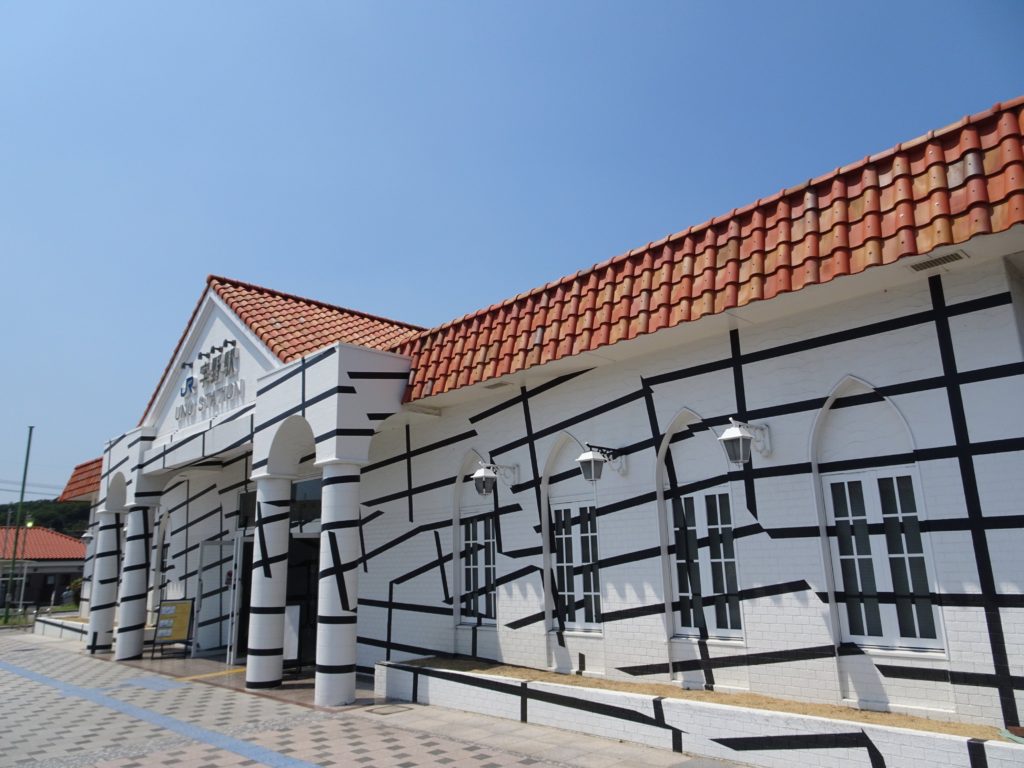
(939, 261)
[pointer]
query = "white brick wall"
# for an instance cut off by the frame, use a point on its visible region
(914, 420)
(748, 736)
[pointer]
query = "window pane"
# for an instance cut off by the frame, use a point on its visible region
(714, 543)
(691, 612)
(717, 578)
(905, 617)
(721, 557)
(893, 535)
(246, 509)
(564, 579)
(721, 613)
(904, 605)
(839, 500)
(887, 496)
(577, 576)
(305, 501)
(844, 538)
(872, 614)
(861, 536)
(856, 498)
(905, 548)
(912, 535)
(711, 505)
(922, 599)
(589, 560)
(905, 486)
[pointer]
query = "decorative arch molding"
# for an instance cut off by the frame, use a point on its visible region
(291, 445)
(681, 422)
(553, 458)
(838, 446)
(851, 386)
(464, 497)
(117, 493)
(685, 420)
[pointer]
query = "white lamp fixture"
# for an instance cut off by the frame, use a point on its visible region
(486, 478)
(593, 459)
(739, 437)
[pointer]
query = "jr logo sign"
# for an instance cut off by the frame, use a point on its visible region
(219, 387)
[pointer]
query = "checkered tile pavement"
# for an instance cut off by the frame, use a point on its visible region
(63, 709)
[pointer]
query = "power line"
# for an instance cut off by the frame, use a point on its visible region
(48, 486)
(45, 495)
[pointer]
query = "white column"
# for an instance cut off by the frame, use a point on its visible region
(103, 596)
(337, 596)
(131, 612)
(265, 655)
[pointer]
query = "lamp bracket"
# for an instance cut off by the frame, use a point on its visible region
(614, 458)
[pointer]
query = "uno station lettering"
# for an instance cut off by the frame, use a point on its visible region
(217, 388)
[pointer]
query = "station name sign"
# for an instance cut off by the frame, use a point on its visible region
(212, 384)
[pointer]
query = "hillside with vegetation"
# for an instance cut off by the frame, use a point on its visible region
(70, 517)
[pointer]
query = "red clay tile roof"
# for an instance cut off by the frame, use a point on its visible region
(941, 189)
(292, 326)
(40, 544)
(84, 481)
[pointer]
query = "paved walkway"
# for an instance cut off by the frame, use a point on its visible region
(63, 709)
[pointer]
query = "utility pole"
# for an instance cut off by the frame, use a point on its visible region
(17, 523)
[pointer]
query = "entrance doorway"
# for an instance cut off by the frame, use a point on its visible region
(213, 606)
(300, 600)
(303, 581)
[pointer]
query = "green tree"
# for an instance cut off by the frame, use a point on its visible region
(70, 517)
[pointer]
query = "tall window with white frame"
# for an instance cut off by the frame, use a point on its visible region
(879, 557)
(707, 584)
(478, 604)
(577, 577)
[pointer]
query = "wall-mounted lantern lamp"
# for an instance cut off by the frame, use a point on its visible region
(593, 459)
(486, 478)
(739, 437)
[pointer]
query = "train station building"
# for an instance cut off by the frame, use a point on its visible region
(778, 452)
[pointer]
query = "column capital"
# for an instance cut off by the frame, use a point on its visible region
(335, 465)
(263, 474)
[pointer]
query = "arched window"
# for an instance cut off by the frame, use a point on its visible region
(878, 555)
(577, 576)
(475, 538)
(573, 539)
(701, 518)
(873, 505)
(478, 600)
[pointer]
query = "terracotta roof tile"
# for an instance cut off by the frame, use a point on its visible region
(84, 481)
(292, 326)
(40, 544)
(939, 189)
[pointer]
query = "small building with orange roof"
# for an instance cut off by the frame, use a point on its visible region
(46, 562)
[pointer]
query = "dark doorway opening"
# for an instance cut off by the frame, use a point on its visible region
(303, 581)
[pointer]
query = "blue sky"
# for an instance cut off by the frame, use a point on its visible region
(415, 160)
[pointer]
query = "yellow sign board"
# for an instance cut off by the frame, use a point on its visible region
(174, 621)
